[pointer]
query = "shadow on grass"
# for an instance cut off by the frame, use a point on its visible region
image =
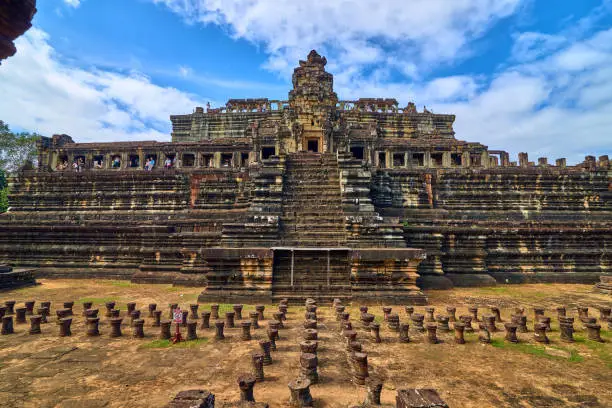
(539, 351)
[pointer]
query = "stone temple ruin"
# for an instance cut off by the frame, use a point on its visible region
(308, 197)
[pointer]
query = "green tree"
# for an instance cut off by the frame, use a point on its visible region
(16, 149)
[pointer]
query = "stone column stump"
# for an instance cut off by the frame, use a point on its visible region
(260, 311)
(309, 346)
(20, 315)
(219, 326)
(229, 320)
(474, 311)
(443, 326)
(153, 309)
(115, 323)
(64, 326)
(300, 393)
(497, 313)
(205, 322)
(459, 329)
(156, 318)
(237, 311)
(43, 312)
(7, 325)
(29, 305)
(429, 314)
(417, 320)
(403, 333)
(539, 333)
(165, 326)
(192, 333)
(467, 322)
(360, 368)
(375, 330)
(171, 308)
(254, 316)
(593, 332)
(257, 360)
(35, 324)
(69, 306)
(310, 334)
(246, 330)
(86, 307)
(246, 382)
(109, 308)
(10, 307)
(308, 367)
(432, 337)
(511, 332)
(265, 348)
(93, 324)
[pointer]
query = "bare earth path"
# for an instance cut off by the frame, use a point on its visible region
(78, 371)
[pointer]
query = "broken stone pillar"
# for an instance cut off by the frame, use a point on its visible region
(260, 311)
(363, 309)
(561, 312)
(7, 325)
(283, 309)
(308, 367)
(273, 336)
(64, 326)
(474, 312)
(165, 329)
(566, 327)
(115, 323)
(375, 330)
(29, 305)
(20, 315)
(171, 308)
(467, 323)
(265, 348)
(300, 393)
(484, 336)
(246, 330)
(418, 319)
(339, 311)
(523, 159)
(346, 325)
(278, 317)
(451, 314)
(229, 320)
(403, 333)
(10, 307)
(489, 321)
(131, 306)
(350, 336)
(69, 306)
(193, 399)
(429, 314)
(61, 313)
(219, 325)
(310, 334)
(537, 312)
(539, 333)
(237, 311)
(134, 315)
(409, 311)
(360, 368)
(152, 309)
(432, 338)
(393, 322)
(604, 313)
(91, 313)
(496, 312)
(257, 359)
(386, 312)
(588, 320)
(138, 328)
(115, 313)
(521, 323)
(86, 307)
(562, 162)
(109, 307)
(93, 326)
(593, 332)
(546, 321)
(193, 308)
(459, 329)
(511, 332)
(43, 312)
(254, 320)
(156, 318)
(443, 324)
(419, 398)
(366, 320)
(214, 312)
(246, 382)
(273, 324)
(192, 333)
(205, 322)
(309, 346)
(373, 390)
(35, 324)
(184, 317)
(310, 324)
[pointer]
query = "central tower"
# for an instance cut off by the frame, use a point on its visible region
(313, 101)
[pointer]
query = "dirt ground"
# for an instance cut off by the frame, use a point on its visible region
(48, 371)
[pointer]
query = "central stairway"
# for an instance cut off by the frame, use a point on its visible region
(312, 202)
(313, 260)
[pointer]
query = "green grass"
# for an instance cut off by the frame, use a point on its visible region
(155, 344)
(603, 350)
(537, 350)
(122, 284)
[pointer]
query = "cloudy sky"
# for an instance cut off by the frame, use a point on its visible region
(521, 75)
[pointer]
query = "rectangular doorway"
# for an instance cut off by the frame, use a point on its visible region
(313, 145)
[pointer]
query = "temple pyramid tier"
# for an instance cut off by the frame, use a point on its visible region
(312, 196)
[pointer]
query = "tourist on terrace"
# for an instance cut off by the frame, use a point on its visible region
(168, 163)
(116, 162)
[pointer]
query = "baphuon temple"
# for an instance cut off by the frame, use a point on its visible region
(312, 196)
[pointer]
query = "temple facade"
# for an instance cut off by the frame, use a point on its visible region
(309, 196)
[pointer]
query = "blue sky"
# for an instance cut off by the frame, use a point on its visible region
(521, 75)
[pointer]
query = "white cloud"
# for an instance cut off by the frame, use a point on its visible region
(43, 94)
(417, 32)
(73, 3)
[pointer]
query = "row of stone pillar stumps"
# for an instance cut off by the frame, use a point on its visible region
(433, 324)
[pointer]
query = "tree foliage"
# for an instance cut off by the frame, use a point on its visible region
(16, 149)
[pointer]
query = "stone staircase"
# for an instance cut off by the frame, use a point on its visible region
(312, 214)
